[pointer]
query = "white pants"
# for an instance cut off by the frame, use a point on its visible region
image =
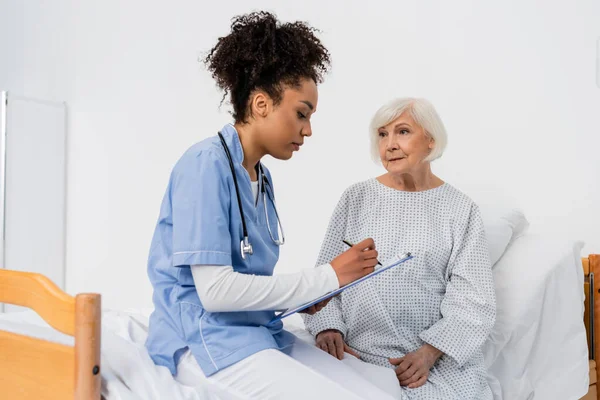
(302, 372)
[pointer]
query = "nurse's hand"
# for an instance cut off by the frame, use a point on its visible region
(355, 262)
(316, 307)
(332, 342)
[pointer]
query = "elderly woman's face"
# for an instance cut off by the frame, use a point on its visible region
(403, 145)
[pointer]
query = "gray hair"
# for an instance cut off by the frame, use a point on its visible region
(422, 112)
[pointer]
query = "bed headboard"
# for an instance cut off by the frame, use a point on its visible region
(591, 271)
(37, 369)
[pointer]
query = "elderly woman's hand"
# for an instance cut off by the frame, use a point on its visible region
(332, 342)
(413, 369)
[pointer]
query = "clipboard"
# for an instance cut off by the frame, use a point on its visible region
(395, 261)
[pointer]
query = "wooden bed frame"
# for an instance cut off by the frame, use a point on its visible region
(37, 369)
(591, 270)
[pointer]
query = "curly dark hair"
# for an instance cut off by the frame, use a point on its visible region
(262, 53)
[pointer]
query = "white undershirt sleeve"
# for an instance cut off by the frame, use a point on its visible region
(221, 289)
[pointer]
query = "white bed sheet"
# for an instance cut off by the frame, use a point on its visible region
(537, 349)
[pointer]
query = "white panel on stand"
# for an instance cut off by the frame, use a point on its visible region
(35, 188)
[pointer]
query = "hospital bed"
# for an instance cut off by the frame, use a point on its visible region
(542, 346)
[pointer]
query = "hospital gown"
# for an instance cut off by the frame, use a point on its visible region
(444, 296)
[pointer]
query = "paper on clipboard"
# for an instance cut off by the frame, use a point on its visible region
(395, 261)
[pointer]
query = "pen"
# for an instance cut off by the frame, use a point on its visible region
(351, 245)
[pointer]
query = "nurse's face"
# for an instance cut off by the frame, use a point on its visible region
(286, 125)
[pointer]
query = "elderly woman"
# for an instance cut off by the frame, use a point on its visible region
(428, 318)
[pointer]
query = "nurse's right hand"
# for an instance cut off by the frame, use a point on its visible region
(356, 262)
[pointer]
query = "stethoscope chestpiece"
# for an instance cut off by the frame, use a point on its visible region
(246, 248)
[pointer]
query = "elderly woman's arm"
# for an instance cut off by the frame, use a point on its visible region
(330, 317)
(469, 305)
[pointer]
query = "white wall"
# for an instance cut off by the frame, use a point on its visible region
(514, 82)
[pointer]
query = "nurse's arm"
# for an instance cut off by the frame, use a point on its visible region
(221, 289)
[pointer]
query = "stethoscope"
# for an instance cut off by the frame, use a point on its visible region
(245, 245)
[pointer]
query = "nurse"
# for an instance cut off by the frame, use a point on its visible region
(217, 237)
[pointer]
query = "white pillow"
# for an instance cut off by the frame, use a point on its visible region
(502, 225)
(539, 319)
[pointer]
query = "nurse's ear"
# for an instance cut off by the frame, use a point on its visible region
(260, 104)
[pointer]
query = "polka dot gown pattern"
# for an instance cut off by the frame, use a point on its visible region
(444, 296)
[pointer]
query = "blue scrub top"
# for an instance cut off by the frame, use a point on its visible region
(199, 223)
